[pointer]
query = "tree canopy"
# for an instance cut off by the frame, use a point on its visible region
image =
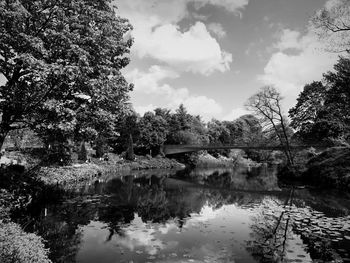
(332, 24)
(62, 61)
(322, 111)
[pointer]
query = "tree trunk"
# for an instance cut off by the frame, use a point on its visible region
(130, 151)
(2, 139)
(3, 134)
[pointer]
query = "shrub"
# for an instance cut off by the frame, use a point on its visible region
(21, 247)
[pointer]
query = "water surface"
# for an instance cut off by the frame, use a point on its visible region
(206, 215)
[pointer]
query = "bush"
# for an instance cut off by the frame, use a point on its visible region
(331, 168)
(21, 247)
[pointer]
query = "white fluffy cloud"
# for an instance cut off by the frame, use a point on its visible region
(301, 58)
(194, 50)
(298, 60)
(157, 34)
(292, 70)
(151, 84)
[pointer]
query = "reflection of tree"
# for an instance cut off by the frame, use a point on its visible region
(217, 179)
(260, 178)
(151, 197)
(270, 231)
(60, 227)
(153, 205)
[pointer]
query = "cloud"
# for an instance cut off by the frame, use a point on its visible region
(230, 5)
(138, 236)
(289, 39)
(151, 85)
(170, 11)
(235, 113)
(306, 63)
(194, 50)
(143, 109)
(158, 35)
(217, 29)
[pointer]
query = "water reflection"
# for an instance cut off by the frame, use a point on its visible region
(201, 216)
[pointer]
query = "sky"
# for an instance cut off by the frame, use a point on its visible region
(212, 55)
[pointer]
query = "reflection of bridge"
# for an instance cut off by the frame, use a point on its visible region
(184, 148)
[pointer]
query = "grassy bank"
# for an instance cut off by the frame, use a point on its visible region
(86, 171)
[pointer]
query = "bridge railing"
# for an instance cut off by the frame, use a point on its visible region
(182, 148)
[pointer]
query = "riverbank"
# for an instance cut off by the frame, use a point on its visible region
(330, 169)
(87, 171)
(16, 245)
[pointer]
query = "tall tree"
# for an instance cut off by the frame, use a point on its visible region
(309, 103)
(332, 24)
(322, 111)
(267, 105)
(53, 50)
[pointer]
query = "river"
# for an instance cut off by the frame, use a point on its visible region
(205, 215)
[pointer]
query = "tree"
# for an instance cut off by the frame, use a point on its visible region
(128, 124)
(322, 111)
(53, 51)
(244, 130)
(185, 127)
(130, 151)
(332, 24)
(218, 135)
(82, 156)
(309, 102)
(153, 132)
(267, 105)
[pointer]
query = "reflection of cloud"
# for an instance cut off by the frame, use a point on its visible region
(139, 235)
(165, 229)
(207, 213)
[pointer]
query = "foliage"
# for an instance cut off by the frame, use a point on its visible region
(330, 169)
(186, 129)
(309, 103)
(245, 130)
(153, 132)
(332, 24)
(62, 61)
(322, 112)
(20, 247)
(129, 124)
